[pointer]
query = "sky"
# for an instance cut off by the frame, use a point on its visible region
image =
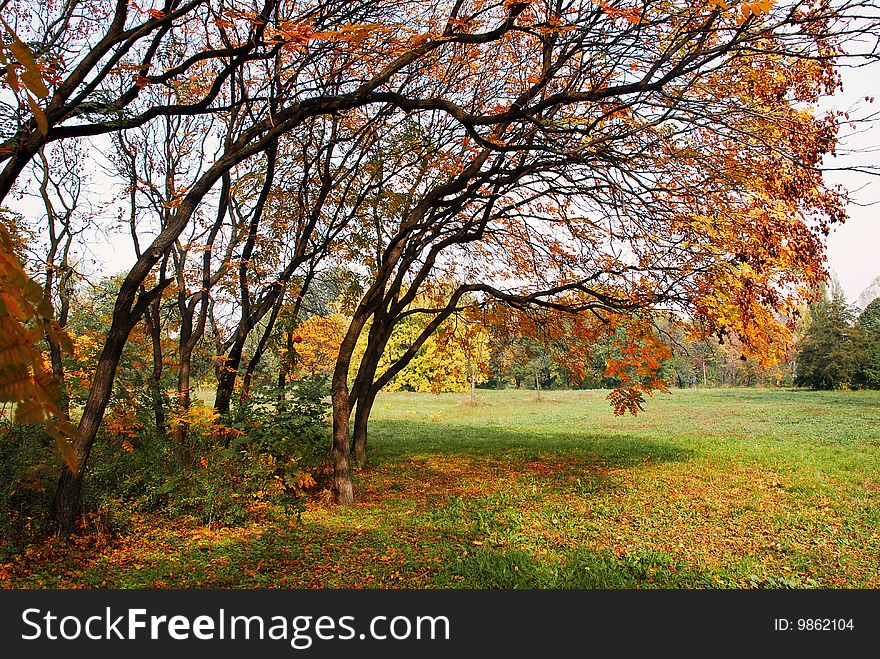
(854, 247)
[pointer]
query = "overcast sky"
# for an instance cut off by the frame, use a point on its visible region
(854, 248)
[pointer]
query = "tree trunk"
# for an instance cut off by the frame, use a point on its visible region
(67, 496)
(361, 420)
(473, 385)
(58, 374)
(261, 348)
(228, 374)
(181, 430)
(537, 386)
(282, 380)
(341, 404)
(55, 356)
(285, 367)
(340, 453)
(153, 328)
(704, 373)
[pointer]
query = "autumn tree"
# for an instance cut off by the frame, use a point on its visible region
(59, 181)
(468, 336)
(26, 310)
(634, 158)
(154, 160)
(313, 186)
(214, 45)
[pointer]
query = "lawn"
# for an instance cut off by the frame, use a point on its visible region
(742, 488)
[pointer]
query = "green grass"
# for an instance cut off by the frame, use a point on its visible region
(736, 488)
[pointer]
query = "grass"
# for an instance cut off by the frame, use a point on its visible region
(737, 488)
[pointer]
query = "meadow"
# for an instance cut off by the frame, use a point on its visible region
(714, 488)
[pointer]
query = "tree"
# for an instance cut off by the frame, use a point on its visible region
(469, 338)
(26, 311)
(832, 350)
(310, 39)
(650, 187)
(60, 186)
(155, 161)
(869, 323)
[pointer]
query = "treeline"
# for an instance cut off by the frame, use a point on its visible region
(840, 348)
(832, 346)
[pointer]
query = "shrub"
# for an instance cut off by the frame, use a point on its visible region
(29, 471)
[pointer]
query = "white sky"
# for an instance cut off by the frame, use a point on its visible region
(854, 247)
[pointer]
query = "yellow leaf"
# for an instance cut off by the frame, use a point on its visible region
(39, 115)
(68, 453)
(12, 78)
(31, 76)
(61, 433)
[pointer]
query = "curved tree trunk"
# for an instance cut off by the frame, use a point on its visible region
(67, 496)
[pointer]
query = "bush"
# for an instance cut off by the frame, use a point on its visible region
(29, 472)
(290, 427)
(263, 461)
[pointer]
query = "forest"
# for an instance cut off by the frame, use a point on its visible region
(325, 203)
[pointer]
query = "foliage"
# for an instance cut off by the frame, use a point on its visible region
(25, 317)
(319, 339)
(584, 168)
(624, 353)
(25, 314)
(29, 469)
(437, 366)
(221, 477)
(23, 75)
(833, 348)
(869, 324)
(289, 428)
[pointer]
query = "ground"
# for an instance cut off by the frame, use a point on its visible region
(723, 488)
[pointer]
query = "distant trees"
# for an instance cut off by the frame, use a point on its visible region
(871, 293)
(869, 324)
(833, 353)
